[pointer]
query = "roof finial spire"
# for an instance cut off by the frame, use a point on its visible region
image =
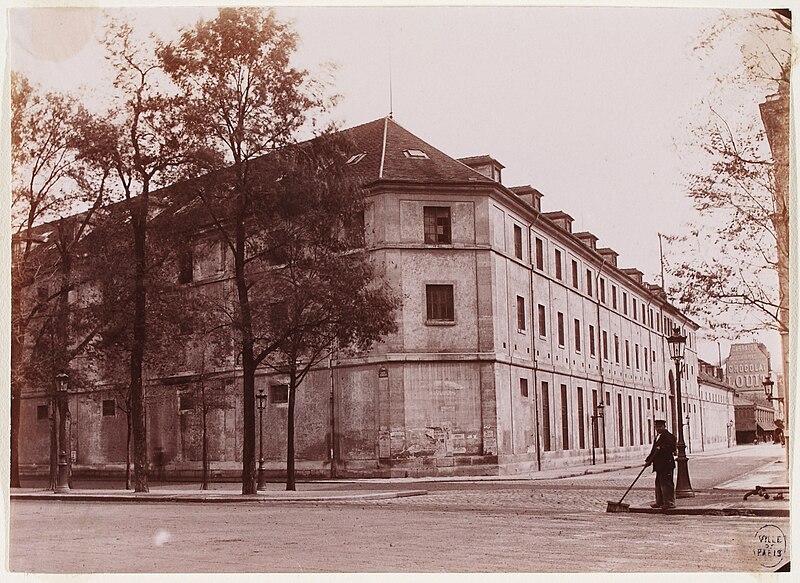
(391, 106)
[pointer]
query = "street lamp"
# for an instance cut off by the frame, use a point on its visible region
(768, 386)
(730, 431)
(689, 433)
(262, 403)
(598, 415)
(677, 344)
(62, 384)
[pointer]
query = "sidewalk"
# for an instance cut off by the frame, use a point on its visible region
(723, 499)
(727, 499)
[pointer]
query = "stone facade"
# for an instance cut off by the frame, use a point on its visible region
(513, 331)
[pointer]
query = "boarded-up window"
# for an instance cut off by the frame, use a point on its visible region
(546, 416)
(109, 408)
(581, 426)
(439, 299)
(564, 418)
(279, 394)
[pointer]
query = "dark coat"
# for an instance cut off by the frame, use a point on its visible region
(661, 456)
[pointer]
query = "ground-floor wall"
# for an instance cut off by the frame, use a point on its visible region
(398, 416)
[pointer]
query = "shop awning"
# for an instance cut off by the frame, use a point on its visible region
(766, 426)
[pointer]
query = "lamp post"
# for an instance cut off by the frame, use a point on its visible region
(730, 432)
(262, 403)
(598, 415)
(62, 384)
(768, 386)
(688, 433)
(683, 486)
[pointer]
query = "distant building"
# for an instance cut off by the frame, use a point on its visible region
(755, 421)
(711, 413)
(747, 366)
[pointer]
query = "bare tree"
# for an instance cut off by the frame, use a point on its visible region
(732, 269)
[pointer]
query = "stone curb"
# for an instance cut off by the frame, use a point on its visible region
(775, 512)
(210, 498)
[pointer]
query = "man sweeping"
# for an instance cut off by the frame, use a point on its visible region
(662, 458)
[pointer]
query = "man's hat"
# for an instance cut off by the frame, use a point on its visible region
(660, 422)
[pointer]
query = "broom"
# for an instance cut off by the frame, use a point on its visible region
(619, 506)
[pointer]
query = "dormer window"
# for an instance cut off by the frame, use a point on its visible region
(355, 159)
(418, 154)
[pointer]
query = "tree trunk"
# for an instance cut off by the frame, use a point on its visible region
(290, 478)
(204, 486)
(139, 223)
(53, 444)
(248, 367)
(128, 450)
(17, 345)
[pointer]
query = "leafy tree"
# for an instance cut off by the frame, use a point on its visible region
(727, 267)
(324, 290)
(244, 100)
(146, 146)
(49, 183)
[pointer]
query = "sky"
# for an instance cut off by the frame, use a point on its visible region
(591, 106)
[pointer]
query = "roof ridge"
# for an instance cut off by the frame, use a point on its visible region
(383, 147)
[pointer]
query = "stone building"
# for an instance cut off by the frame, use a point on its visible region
(711, 420)
(747, 366)
(755, 421)
(514, 330)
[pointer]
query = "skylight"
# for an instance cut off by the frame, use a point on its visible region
(419, 154)
(355, 159)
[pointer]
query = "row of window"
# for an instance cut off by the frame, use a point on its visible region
(582, 419)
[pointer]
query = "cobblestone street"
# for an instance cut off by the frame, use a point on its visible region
(548, 525)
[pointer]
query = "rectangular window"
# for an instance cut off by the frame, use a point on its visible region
(589, 288)
(557, 255)
(634, 308)
(627, 354)
(523, 387)
(185, 265)
(437, 225)
(616, 348)
(564, 418)
(644, 358)
(603, 290)
(517, 241)
(630, 420)
(649, 431)
(186, 402)
(520, 314)
(581, 426)
(42, 412)
(641, 423)
(539, 254)
(625, 303)
(542, 321)
(279, 394)
(614, 297)
(595, 420)
(575, 282)
(658, 324)
(109, 408)
(440, 303)
(636, 355)
(545, 416)
(577, 335)
(605, 345)
(560, 329)
(620, 430)
(592, 351)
